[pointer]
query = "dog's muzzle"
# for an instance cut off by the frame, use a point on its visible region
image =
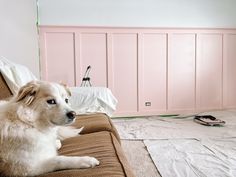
(71, 115)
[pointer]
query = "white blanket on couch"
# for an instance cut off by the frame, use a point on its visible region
(15, 75)
(83, 100)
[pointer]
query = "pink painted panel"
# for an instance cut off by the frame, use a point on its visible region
(152, 72)
(209, 71)
(229, 71)
(59, 58)
(181, 72)
(93, 52)
(65, 54)
(124, 65)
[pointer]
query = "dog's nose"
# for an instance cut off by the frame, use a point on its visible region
(71, 115)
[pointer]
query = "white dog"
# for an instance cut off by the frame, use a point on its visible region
(29, 127)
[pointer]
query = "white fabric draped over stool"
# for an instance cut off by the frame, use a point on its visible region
(92, 99)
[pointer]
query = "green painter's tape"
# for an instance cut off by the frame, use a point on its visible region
(169, 115)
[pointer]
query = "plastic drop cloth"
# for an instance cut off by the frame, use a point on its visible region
(194, 158)
(183, 148)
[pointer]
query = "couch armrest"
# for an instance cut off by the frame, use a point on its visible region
(101, 145)
(95, 123)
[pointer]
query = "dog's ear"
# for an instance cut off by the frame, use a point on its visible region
(66, 88)
(28, 92)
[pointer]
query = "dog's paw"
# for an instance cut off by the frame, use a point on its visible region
(77, 131)
(89, 162)
(58, 144)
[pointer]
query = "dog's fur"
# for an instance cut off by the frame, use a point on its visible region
(30, 124)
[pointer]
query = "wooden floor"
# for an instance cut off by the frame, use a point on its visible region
(139, 159)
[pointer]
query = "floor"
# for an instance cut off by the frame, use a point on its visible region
(134, 131)
(139, 158)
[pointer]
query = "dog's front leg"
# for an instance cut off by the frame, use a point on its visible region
(58, 144)
(65, 162)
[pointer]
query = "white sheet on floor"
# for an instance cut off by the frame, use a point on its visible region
(183, 148)
(15, 75)
(93, 99)
(170, 128)
(194, 158)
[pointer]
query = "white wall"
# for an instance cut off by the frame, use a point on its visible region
(139, 13)
(18, 32)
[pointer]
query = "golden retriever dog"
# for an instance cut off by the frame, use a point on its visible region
(30, 125)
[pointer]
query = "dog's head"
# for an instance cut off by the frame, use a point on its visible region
(48, 103)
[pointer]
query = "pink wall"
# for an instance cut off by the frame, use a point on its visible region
(181, 72)
(209, 71)
(152, 72)
(149, 70)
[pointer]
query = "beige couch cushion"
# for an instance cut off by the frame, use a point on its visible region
(96, 123)
(102, 145)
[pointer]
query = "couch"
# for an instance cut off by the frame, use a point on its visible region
(99, 139)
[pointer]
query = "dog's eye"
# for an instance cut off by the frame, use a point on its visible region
(52, 101)
(66, 100)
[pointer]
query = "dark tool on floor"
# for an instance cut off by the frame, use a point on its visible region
(208, 120)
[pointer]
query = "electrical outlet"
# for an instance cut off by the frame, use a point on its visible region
(148, 103)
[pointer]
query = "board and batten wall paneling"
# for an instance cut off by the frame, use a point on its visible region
(181, 71)
(58, 61)
(229, 70)
(93, 52)
(209, 71)
(124, 74)
(152, 72)
(176, 70)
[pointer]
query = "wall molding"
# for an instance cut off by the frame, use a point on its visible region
(197, 74)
